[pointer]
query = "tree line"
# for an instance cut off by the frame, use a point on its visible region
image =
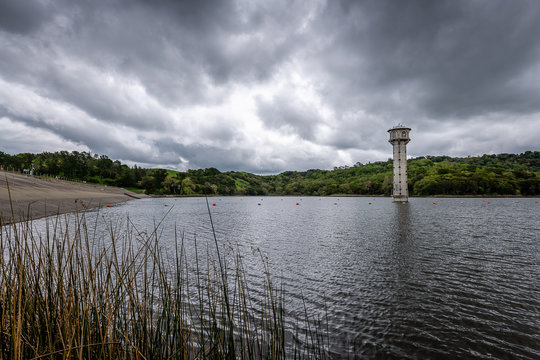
(502, 174)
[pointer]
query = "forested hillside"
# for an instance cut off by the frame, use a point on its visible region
(503, 174)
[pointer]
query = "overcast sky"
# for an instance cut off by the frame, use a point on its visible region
(267, 86)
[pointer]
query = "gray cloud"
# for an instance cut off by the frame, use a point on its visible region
(203, 156)
(289, 114)
(454, 58)
(21, 17)
(270, 86)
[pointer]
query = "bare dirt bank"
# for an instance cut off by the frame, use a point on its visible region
(34, 198)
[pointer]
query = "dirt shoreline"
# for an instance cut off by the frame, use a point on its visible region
(33, 198)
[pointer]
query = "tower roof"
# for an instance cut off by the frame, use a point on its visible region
(400, 127)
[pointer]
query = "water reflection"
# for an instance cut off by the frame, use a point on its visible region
(402, 219)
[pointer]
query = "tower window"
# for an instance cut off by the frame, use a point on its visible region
(403, 134)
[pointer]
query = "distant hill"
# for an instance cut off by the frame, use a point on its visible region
(502, 174)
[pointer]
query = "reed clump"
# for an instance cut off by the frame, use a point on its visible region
(72, 292)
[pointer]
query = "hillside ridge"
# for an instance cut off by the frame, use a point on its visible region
(500, 174)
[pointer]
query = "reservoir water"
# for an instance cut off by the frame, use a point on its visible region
(434, 278)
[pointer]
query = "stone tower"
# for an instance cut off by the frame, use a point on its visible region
(399, 138)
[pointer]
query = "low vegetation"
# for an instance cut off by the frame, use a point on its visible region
(69, 293)
(503, 174)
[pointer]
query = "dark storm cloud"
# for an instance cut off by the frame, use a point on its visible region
(269, 86)
(179, 48)
(459, 58)
(21, 16)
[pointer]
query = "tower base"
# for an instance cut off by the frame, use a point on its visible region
(400, 198)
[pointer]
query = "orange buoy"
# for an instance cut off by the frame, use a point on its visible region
(489, 202)
(297, 204)
(434, 203)
(213, 204)
(108, 205)
(369, 203)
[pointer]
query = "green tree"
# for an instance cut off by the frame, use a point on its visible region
(148, 184)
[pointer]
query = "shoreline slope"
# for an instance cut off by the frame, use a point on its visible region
(34, 198)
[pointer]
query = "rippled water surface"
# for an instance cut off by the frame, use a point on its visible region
(435, 278)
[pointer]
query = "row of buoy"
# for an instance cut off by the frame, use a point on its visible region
(214, 204)
(434, 203)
